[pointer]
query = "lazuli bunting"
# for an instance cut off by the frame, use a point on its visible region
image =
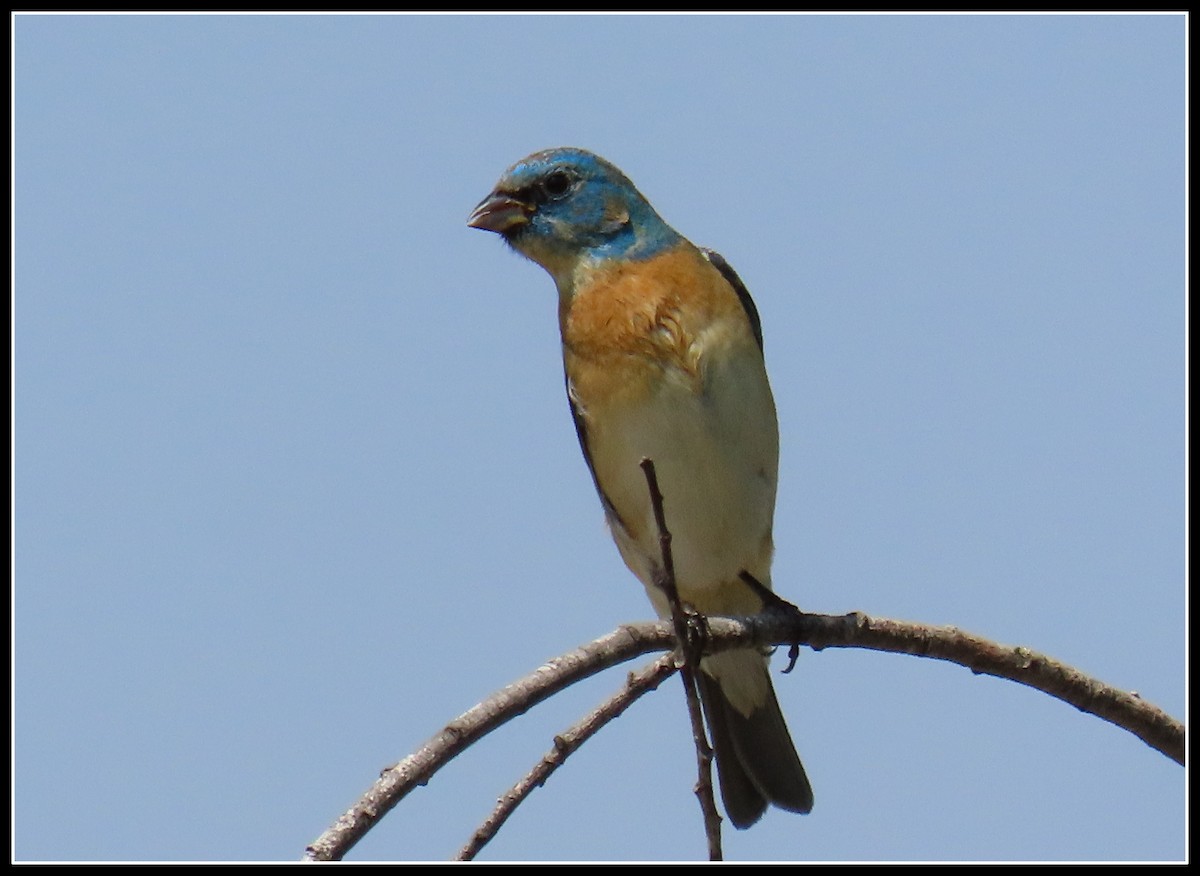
(662, 348)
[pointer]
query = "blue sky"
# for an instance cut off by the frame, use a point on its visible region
(295, 480)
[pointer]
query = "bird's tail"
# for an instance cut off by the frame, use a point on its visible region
(756, 761)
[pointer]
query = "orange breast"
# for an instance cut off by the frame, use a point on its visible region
(630, 324)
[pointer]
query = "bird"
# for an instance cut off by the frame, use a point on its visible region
(663, 359)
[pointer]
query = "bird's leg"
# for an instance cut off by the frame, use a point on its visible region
(691, 625)
(772, 601)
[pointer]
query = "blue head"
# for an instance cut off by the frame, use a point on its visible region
(566, 207)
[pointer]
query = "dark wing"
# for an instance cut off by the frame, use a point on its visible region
(610, 510)
(739, 287)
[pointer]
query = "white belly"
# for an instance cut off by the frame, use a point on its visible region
(715, 449)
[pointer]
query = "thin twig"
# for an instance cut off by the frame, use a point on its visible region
(690, 649)
(637, 684)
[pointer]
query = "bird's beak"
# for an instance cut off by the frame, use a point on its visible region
(500, 213)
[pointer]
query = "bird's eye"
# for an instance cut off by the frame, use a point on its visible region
(557, 184)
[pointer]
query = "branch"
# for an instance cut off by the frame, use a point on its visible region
(1126, 710)
(982, 656)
